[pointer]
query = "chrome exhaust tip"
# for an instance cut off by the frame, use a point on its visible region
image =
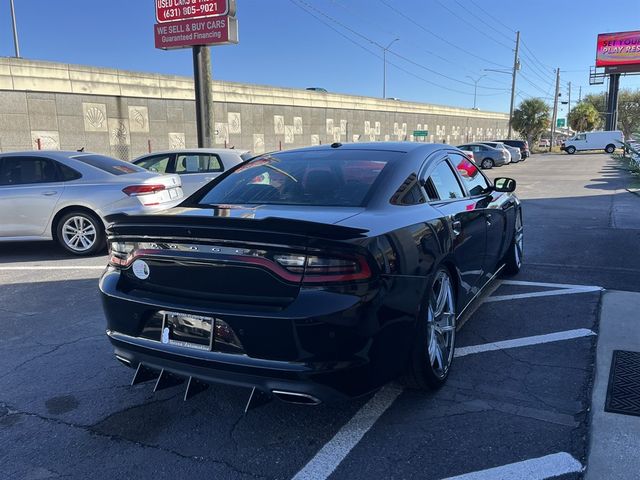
(296, 397)
(126, 361)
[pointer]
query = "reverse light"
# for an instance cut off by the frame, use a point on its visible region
(121, 253)
(138, 190)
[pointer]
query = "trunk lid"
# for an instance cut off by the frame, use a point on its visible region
(237, 255)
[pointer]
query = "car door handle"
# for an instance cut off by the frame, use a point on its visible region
(457, 227)
(49, 194)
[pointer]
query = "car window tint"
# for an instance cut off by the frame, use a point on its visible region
(108, 164)
(157, 163)
(472, 178)
(316, 177)
(198, 163)
(27, 170)
(445, 182)
(67, 173)
(409, 192)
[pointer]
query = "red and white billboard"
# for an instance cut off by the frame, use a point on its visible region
(177, 10)
(189, 33)
(618, 49)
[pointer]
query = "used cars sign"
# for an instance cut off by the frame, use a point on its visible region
(187, 33)
(176, 10)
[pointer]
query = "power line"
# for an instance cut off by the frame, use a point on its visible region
(493, 17)
(445, 40)
(422, 49)
(458, 17)
(302, 4)
(473, 15)
(545, 67)
(408, 60)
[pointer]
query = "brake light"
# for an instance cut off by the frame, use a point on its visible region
(138, 190)
(321, 269)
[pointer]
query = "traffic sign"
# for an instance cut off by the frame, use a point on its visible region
(420, 133)
(177, 10)
(561, 122)
(189, 33)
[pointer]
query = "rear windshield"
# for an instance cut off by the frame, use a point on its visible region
(341, 178)
(109, 165)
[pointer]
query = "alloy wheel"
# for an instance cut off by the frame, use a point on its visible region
(79, 233)
(518, 243)
(441, 325)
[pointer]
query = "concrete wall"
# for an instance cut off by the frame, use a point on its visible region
(54, 105)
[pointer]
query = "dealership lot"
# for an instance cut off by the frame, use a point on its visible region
(518, 394)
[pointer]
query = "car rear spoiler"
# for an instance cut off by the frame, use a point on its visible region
(185, 226)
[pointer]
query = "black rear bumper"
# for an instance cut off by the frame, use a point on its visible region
(326, 345)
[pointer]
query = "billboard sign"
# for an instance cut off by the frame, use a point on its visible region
(189, 33)
(177, 10)
(618, 49)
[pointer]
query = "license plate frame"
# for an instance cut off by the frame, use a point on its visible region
(185, 330)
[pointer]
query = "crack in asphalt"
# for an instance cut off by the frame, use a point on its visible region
(91, 430)
(48, 352)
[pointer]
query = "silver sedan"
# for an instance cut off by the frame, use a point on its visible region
(64, 196)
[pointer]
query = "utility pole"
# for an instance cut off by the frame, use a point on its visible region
(204, 95)
(580, 94)
(15, 29)
(516, 65)
(555, 109)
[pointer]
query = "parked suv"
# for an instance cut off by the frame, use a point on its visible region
(523, 145)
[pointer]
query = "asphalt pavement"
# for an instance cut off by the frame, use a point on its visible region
(516, 404)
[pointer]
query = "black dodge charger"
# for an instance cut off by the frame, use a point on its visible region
(311, 275)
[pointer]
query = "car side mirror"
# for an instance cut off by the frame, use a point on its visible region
(504, 184)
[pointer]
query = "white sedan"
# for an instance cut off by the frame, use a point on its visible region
(196, 166)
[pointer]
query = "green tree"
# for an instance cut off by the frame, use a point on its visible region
(628, 109)
(629, 112)
(531, 119)
(584, 117)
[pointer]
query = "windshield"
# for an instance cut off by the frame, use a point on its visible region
(320, 177)
(109, 165)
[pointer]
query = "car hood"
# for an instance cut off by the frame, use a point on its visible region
(328, 215)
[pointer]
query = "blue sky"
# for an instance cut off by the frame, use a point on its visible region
(328, 43)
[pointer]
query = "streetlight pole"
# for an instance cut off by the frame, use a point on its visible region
(384, 67)
(475, 89)
(15, 29)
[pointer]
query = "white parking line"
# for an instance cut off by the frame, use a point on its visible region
(331, 455)
(550, 285)
(54, 267)
(561, 289)
(539, 468)
(524, 341)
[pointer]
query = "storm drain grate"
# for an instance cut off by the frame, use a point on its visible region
(623, 393)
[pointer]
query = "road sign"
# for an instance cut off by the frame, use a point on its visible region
(561, 122)
(420, 133)
(189, 33)
(177, 10)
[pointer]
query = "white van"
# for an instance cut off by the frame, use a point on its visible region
(601, 140)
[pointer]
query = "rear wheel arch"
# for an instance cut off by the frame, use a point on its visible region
(71, 208)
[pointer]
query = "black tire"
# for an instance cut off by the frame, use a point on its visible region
(91, 239)
(422, 373)
(570, 150)
(487, 164)
(513, 258)
(610, 148)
